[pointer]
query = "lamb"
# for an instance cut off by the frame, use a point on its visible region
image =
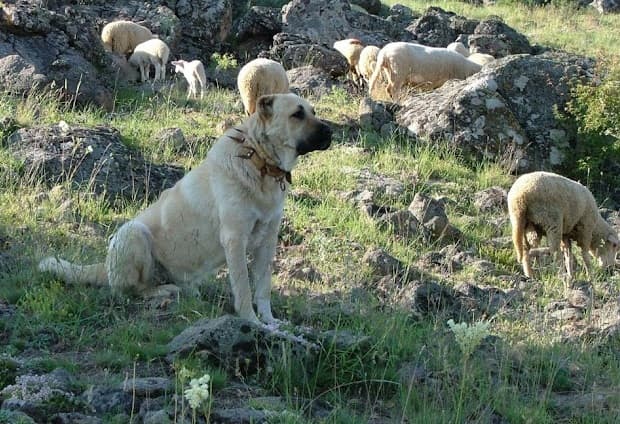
(414, 63)
(479, 58)
(194, 73)
(367, 61)
(563, 210)
(152, 52)
(351, 48)
(259, 77)
(123, 36)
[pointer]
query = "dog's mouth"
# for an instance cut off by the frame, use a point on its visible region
(319, 139)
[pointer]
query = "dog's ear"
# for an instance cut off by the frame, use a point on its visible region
(265, 106)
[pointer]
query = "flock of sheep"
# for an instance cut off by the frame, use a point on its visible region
(539, 203)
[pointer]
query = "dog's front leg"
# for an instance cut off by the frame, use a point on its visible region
(235, 245)
(260, 269)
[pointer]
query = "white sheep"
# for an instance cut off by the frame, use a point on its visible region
(152, 52)
(259, 77)
(123, 36)
(458, 47)
(351, 48)
(479, 58)
(367, 61)
(194, 73)
(413, 63)
(563, 210)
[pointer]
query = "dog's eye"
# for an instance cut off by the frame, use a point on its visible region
(300, 114)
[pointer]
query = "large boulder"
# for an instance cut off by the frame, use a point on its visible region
(326, 21)
(293, 50)
(494, 37)
(506, 111)
(95, 159)
(43, 49)
(438, 28)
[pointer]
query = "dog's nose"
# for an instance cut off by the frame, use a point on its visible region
(325, 136)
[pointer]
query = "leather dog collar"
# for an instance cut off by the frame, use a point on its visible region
(261, 164)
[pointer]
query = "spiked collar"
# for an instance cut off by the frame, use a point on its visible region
(264, 167)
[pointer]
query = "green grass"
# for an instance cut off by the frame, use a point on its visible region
(517, 376)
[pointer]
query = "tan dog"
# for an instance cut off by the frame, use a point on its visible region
(227, 208)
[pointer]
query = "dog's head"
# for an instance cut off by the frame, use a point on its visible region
(285, 126)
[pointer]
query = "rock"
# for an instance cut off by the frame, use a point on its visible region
(428, 298)
(326, 21)
(606, 6)
(494, 37)
(487, 300)
(74, 418)
(16, 417)
(93, 158)
(106, 400)
(148, 386)
(308, 81)
(382, 263)
(255, 30)
(294, 50)
(402, 224)
(236, 344)
(505, 112)
(297, 269)
(157, 417)
(438, 28)
(239, 416)
(491, 200)
(42, 50)
(430, 213)
(171, 136)
(375, 115)
(370, 6)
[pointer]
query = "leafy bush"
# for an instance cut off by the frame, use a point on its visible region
(595, 110)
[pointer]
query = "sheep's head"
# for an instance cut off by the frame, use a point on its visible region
(605, 244)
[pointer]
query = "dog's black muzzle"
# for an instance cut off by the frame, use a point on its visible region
(319, 139)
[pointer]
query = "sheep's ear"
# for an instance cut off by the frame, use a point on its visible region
(265, 107)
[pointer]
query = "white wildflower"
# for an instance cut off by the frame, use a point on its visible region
(467, 336)
(198, 391)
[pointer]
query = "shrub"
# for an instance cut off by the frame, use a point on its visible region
(595, 110)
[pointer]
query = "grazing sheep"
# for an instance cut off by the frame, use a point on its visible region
(479, 58)
(458, 47)
(414, 63)
(563, 210)
(194, 73)
(152, 52)
(351, 48)
(123, 36)
(367, 61)
(259, 77)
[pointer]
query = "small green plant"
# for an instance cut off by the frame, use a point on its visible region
(223, 61)
(198, 395)
(468, 336)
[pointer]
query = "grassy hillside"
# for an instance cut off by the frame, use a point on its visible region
(533, 368)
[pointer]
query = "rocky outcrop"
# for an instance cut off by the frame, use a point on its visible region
(43, 49)
(93, 159)
(507, 111)
(606, 6)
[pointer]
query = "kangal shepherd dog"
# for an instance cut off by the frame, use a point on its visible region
(221, 212)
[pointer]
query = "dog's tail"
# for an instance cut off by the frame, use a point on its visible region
(377, 71)
(95, 274)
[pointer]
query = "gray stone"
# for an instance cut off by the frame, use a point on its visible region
(237, 344)
(74, 418)
(171, 136)
(370, 6)
(106, 400)
(382, 263)
(506, 112)
(294, 50)
(148, 386)
(491, 199)
(240, 416)
(402, 224)
(374, 115)
(94, 159)
(494, 37)
(309, 81)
